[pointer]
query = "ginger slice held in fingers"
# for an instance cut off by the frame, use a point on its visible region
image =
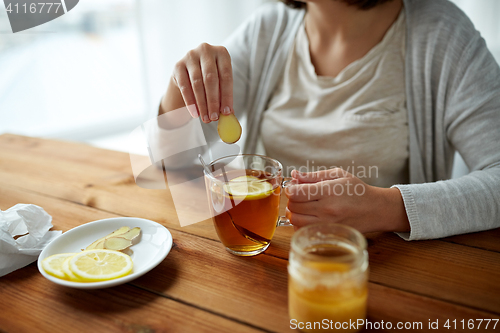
(229, 128)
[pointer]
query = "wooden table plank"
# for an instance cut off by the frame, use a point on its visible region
(197, 267)
(488, 240)
(113, 190)
(103, 179)
(66, 151)
(437, 269)
(119, 195)
(416, 309)
(196, 271)
(401, 264)
(29, 302)
(459, 274)
(106, 189)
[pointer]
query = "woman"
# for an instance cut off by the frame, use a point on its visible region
(399, 85)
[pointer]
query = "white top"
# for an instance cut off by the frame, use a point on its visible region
(356, 120)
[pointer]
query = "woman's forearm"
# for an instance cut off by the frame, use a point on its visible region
(172, 100)
(396, 219)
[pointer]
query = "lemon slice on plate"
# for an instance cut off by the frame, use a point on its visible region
(100, 265)
(248, 188)
(53, 264)
(69, 274)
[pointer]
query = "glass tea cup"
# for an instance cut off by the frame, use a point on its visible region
(244, 198)
(328, 278)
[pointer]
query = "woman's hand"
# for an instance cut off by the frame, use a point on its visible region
(337, 196)
(204, 80)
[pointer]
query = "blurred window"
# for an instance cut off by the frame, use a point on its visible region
(485, 14)
(76, 77)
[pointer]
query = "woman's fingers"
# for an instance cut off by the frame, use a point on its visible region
(300, 220)
(196, 78)
(305, 208)
(318, 176)
(205, 79)
(225, 80)
(210, 82)
(181, 79)
(305, 192)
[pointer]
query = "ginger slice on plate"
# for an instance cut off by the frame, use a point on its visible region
(131, 234)
(97, 244)
(118, 240)
(117, 243)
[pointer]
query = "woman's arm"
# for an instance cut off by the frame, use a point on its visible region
(175, 123)
(471, 124)
(456, 105)
(172, 100)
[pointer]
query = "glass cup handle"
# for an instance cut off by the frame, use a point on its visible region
(283, 221)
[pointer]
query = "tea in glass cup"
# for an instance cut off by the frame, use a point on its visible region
(328, 278)
(244, 197)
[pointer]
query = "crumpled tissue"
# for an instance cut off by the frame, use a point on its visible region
(32, 224)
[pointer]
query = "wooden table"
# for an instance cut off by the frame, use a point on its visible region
(201, 287)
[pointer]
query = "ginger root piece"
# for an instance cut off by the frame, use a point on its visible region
(229, 128)
(118, 240)
(131, 234)
(98, 244)
(120, 231)
(117, 243)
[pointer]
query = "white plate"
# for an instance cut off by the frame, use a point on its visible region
(152, 247)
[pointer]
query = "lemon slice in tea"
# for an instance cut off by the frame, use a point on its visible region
(248, 188)
(100, 265)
